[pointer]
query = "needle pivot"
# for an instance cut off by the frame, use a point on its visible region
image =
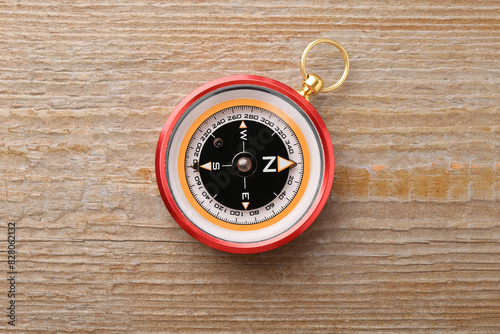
(244, 164)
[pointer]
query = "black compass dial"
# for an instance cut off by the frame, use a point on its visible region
(239, 165)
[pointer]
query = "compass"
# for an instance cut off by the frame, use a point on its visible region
(245, 163)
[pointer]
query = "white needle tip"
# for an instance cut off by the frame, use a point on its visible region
(207, 166)
(284, 164)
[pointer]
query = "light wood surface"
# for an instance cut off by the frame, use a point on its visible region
(408, 242)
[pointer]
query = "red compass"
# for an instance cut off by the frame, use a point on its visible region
(245, 163)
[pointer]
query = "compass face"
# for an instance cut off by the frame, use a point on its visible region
(249, 162)
(244, 164)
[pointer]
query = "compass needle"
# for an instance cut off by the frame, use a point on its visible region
(285, 163)
(207, 166)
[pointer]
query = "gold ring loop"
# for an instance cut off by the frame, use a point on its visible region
(344, 54)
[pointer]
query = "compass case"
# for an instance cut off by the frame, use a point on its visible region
(264, 128)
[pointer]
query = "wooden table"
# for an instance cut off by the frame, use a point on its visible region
(408, 242)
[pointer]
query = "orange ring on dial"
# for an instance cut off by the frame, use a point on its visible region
(233, 103)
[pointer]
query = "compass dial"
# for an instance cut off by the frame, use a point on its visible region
(244, 164)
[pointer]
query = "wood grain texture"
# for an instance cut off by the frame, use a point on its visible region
(408, 242)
